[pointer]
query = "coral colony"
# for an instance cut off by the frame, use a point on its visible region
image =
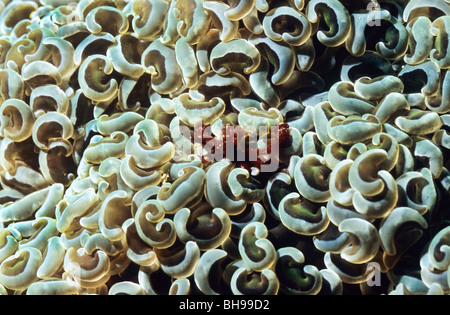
(224, 147)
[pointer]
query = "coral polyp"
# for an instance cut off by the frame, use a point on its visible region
(224, 147)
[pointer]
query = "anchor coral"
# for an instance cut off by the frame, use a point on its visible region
(224, 147)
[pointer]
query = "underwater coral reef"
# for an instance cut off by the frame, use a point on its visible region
(247, 147)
